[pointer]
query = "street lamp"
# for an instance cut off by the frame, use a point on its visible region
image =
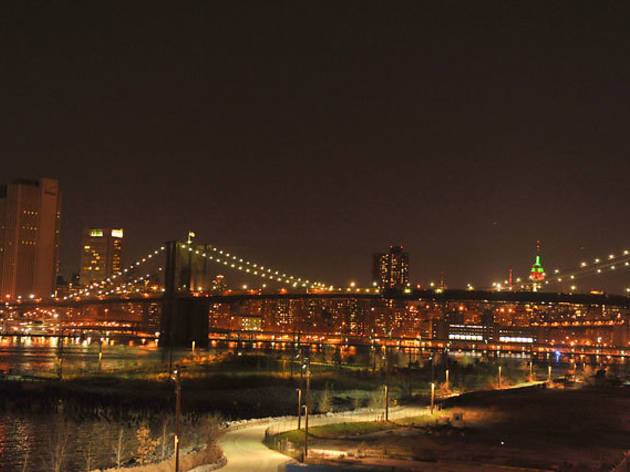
(308, 384)
(432, 396)
(386, 402)
(299, 391)
(305, 431)
(178, 414)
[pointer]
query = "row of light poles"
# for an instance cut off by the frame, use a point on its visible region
(306, 369)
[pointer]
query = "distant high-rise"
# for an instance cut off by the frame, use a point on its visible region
(219, 284)
(391, 269)
(101, 254)
(537, 273)
(30, 216)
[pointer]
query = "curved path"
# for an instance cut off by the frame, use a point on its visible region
(244, 449)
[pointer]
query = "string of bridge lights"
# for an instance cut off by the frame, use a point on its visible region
(219, 256)
(109, 280)
(234, 262)
(131, 283)
(121, 287)
(598, 266)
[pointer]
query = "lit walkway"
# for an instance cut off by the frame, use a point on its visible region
(245, 451)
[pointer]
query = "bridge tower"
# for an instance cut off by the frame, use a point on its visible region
(184, 315)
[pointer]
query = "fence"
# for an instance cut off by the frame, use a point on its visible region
(624, 465)
(289, 423)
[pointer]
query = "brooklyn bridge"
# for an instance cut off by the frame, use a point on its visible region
(168, 295)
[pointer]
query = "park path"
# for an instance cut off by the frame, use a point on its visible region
(244, 449)
(243, 444)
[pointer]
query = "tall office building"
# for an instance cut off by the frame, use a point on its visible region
(537, 274)
(101, 254)
(30, 217)
(391, 269)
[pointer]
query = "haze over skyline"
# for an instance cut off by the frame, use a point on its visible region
(311, 136)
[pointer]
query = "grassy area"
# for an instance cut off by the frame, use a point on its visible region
(336, 431)
(244, 386)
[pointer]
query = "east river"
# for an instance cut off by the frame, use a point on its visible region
(28, 439)
(28, 436)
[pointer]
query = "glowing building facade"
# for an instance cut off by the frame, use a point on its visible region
(391, 269)
(101, 254)
(30, 216)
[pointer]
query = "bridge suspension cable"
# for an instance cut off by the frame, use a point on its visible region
(110, 280)
(597, 267)
(238, 263)
(123, 287)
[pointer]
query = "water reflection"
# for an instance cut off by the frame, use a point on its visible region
(39, 356)
(26, 436)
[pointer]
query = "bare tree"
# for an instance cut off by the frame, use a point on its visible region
(57, 443)
(146, 445)
(26, 456)
(325, 401)
(88, 454)
(119, 448)
(165, 437)
(210, 428)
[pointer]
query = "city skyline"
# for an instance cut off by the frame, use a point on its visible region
(364, 234)
(312, 147)
(399, 277)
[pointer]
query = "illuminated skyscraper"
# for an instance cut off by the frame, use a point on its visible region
(219, 284)
(537, 274)
(391, 269)
(101, 254)
(30, 215)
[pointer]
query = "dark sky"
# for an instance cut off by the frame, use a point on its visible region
(309, 135)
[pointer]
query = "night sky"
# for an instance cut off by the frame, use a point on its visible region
(308, 135)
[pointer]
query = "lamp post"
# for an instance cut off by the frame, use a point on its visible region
(305, 431)
(307, 365)
(446, 378)
(548, 373)
(299, 391)
(178, 413)
(500, 378)
(386, 402)
(432, 396)
(531, 370)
